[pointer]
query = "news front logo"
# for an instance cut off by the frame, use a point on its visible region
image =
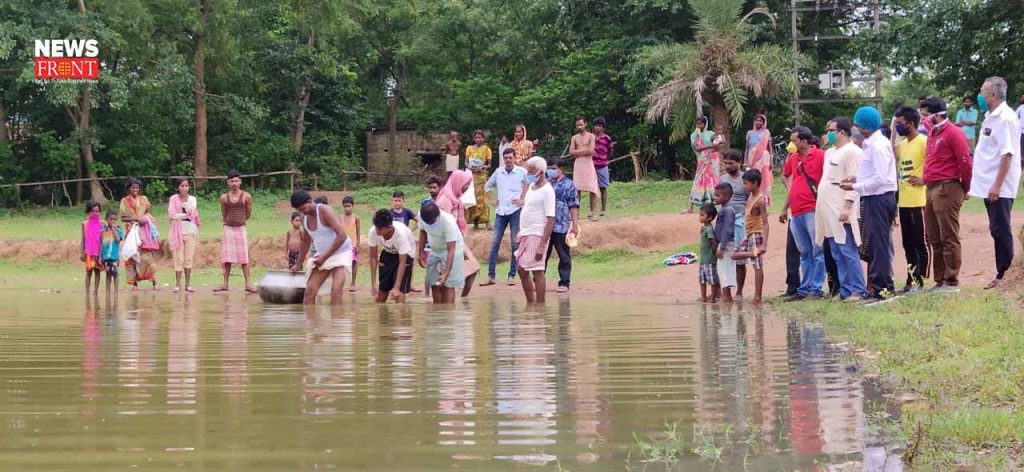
(67, 59)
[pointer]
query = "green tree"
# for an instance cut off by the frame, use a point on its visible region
(719, 70)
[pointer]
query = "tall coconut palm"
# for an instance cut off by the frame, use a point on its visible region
(718, 70)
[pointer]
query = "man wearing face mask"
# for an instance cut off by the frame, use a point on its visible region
(803, 169)
(947, 177)
(876, 184)
(536, 225)
(835, 223)
(910, 152)
(567, 226)
(996, 173)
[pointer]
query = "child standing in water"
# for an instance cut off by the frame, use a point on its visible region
(724, 229)
(350, 222)
(293, 240)
(708, 250)
(755, 245)
(433, 188)
(92, 227)
(110, 240)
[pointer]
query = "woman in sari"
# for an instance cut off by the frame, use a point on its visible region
(705, 178)
(759, 154)
(449, 200)
(135, 210)
(522, 146)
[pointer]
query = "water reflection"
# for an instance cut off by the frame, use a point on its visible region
(196, 380)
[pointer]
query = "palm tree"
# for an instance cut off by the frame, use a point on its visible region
(718, 70)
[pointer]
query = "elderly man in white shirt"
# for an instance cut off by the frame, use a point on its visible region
(996, 173)
(876, 184)
(509, 185)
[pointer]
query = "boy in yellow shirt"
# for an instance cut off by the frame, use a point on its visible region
(910, 153)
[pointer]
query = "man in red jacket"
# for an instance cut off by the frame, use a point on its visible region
(947, 175)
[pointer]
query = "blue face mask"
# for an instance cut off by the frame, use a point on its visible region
(531, 179)
(982, 104)
(831, 138)
(552, 174)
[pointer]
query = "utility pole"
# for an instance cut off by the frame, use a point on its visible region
(799, 7)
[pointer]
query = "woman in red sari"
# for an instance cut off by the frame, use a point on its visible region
(135, 210)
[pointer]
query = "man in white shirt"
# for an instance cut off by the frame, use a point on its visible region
(536, 225)
(836, 211)
(996, 173)
(1020, 117)
(509, 186)
(395, 242)
(876, 184)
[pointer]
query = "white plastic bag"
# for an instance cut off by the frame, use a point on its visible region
(468, 198)
(130, 244)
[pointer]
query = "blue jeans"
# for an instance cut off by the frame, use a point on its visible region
(812, 256)
(500, 223)
(851, 274)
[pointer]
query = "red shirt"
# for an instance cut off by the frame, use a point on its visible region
(801, 197)
(948, 156)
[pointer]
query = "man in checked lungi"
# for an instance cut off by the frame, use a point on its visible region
(235, 209)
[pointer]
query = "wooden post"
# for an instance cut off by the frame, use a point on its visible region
(316, 183)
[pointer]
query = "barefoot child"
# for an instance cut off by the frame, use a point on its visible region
(351, 224)
(708, 250)
(111, 248)
(603, 149)
(92, 227)
(293, 240)
(755, 244)
(405, 216)
(724, 229)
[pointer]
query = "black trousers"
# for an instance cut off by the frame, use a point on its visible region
(1002, 235)
(831, 271)
(914, 245)
(564, 258)
(879, 212)
(792, 264)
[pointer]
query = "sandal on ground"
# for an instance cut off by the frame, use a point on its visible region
(488, 283)
(250, 290)
(602, 214)
(220, 289)
(176, 289)
(352, 289)
(188, 288)
(993, 284)
(511, 281)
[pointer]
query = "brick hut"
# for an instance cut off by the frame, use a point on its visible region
(415, 151)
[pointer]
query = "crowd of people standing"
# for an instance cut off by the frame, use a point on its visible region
(847, 190)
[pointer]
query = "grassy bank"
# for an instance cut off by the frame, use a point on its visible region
(962, 354)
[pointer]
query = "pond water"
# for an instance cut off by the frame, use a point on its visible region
(159, 381)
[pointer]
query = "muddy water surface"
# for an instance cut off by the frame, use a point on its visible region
(225, 383)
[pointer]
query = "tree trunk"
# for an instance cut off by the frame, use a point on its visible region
(85, 141)
(299, 126)
(199, 67)
(393, 129)
(720, 117)
(3, 122)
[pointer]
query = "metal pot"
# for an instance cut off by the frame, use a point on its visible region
(285, 287)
